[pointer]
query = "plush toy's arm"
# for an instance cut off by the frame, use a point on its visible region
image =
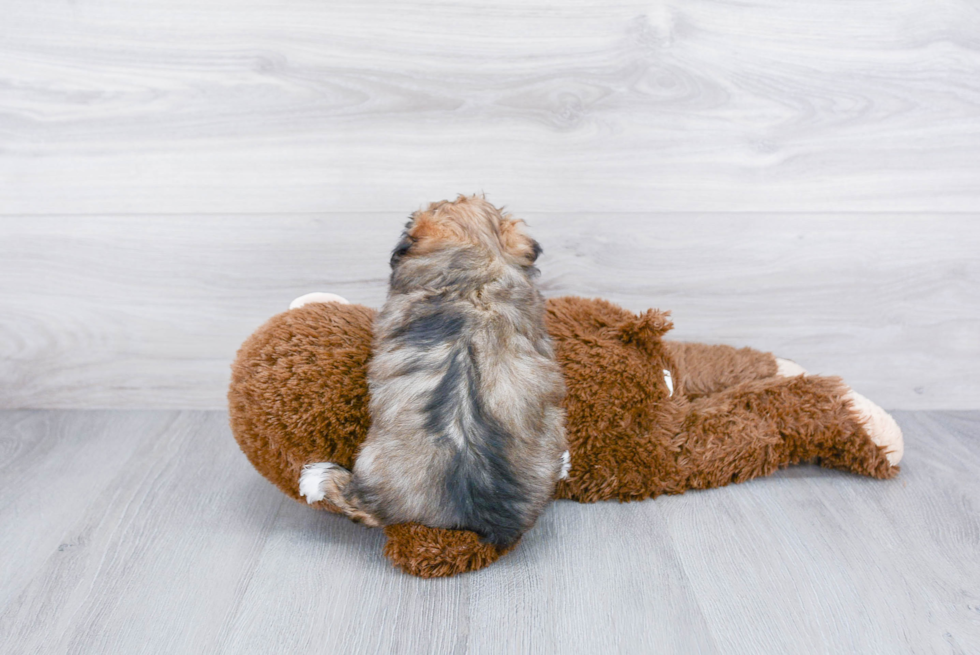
(702, 370)
(436, 552)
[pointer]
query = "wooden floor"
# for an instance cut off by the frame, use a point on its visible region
(148, 531)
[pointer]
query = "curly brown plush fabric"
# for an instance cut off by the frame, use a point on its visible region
(299, 391)
(436, 553)
(299, 395)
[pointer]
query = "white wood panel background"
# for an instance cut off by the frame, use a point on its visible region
(148, 311)
(275, 106)
(800, 177)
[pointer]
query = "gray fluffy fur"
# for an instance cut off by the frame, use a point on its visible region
(467, 430)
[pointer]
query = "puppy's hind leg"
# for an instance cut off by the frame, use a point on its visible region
(327, 481)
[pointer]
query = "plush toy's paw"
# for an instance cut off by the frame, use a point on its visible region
(566, 465)
(879, 425)
(436, 552)
(786, 368)
(317, 297)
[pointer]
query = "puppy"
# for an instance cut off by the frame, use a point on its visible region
(466, 429)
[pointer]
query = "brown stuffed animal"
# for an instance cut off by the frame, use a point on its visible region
(645, 416)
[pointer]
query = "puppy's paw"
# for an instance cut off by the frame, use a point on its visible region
(313, 479)
(786, 368)
(879, 425)
(317, 296)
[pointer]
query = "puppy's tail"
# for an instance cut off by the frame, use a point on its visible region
(327, 481)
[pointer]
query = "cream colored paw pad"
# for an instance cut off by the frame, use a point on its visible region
(879, 424)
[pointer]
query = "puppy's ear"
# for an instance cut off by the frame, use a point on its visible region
(403, 248)
(647, 328)
(518, 244)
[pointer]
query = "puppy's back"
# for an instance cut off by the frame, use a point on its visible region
(483, 411)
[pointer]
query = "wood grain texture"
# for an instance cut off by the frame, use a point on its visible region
(149, 311)
(859, 567)
(159, 560)
(52, 467)
(673, 105)
(185, 549)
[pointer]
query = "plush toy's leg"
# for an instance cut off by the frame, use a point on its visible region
(878, 423)
(757, 427)
(705, 369)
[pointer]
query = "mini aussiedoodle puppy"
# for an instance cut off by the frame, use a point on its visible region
(467, 430)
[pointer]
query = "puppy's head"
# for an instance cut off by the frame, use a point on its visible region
(468, 221)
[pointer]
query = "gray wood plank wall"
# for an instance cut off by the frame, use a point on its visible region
(799, 177)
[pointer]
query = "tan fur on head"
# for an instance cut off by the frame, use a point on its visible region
(517, 243)
(469, 220)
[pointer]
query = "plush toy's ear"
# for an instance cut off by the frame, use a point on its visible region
(647, 328)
